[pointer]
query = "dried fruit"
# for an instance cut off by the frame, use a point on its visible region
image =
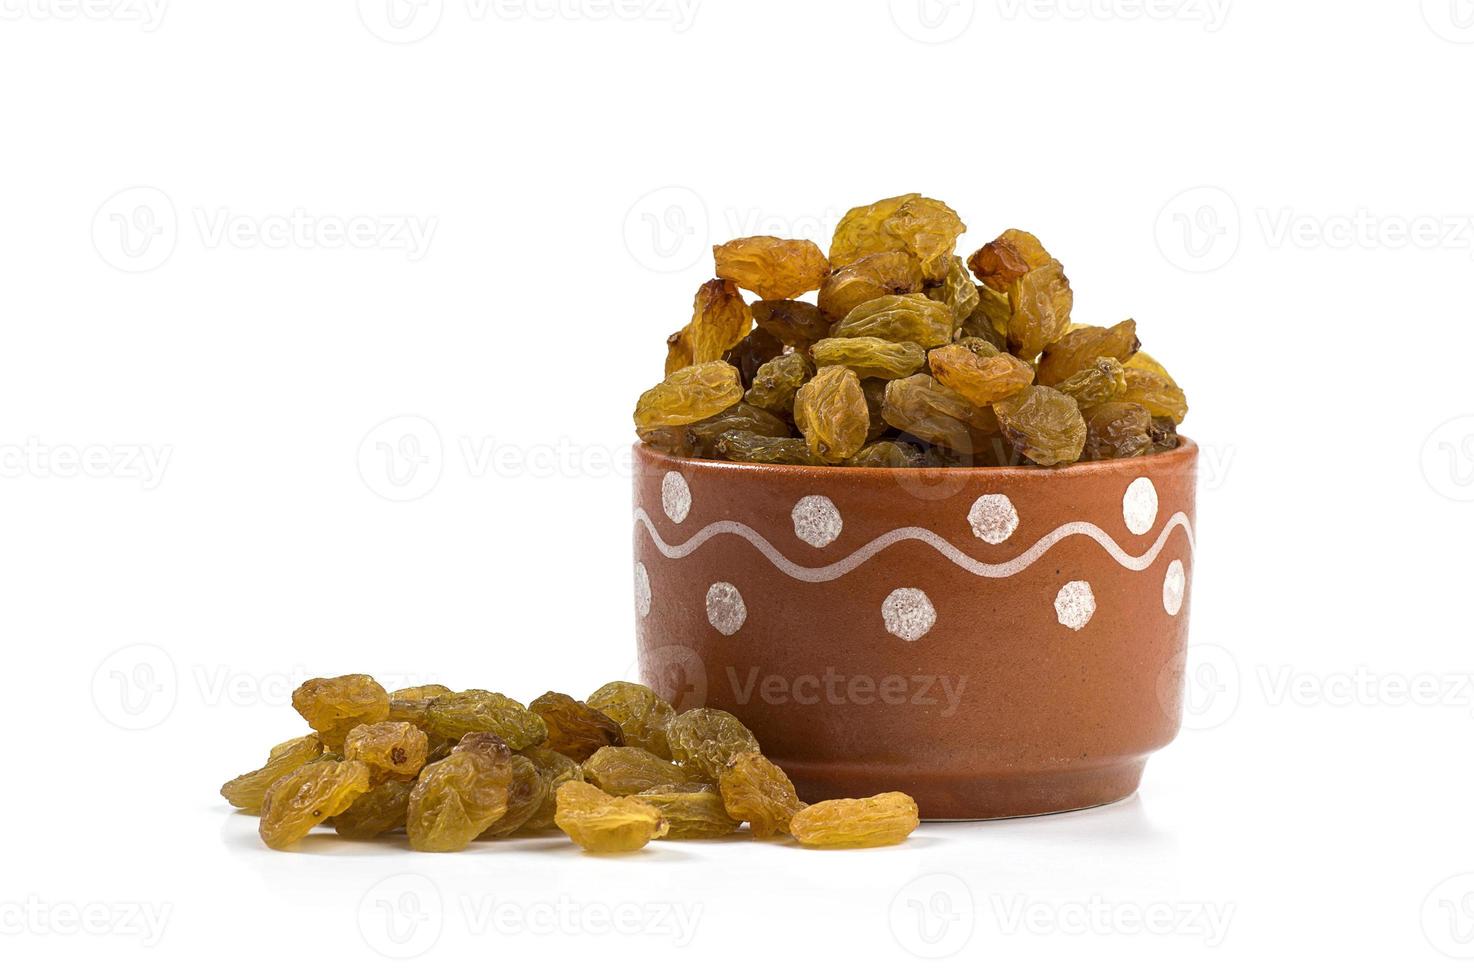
(756, 790)
(1041, 302)
(989, 321)
(411, 703)
(525, 797)
(555, 769)
(749, 447)
(334, 706)
(869, 357)
(872, 822)
(957, 290)
(929, 410)
(1101, 382)
(1042, 424)
(574, 728)
(885, 453)
(1156, 394)
(896, 306)
(980, 378)
(457, 798)
(862, 230)
(719, 320)
(602, 823)
(626, 770)
(925, 228)
(1145, 362)
(382, 810)
(640, 713)
(1116, 430)
(1001, 262)
(874, 276)
(391, 749)
(912, 318)
(831, 412)
(689, 395)
(307, 796)
(796, 323)
(692, 811)
(247, 790)
(456, 715)
(1164, 434)
(774, 268)
(705, 740)
(777, 382)
(752, 352)
(1083, 346)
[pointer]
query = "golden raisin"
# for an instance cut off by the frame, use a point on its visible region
(774, 268)
(874, 821)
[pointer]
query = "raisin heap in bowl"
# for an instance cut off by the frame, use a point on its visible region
(903, 358)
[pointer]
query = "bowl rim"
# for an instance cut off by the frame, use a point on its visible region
(1185, 448)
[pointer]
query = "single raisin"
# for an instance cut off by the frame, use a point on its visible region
(705, 740)
(872, 822)
(307, 796)
(247, 790)
(334, 706)
(774, 268)
(830, 410)
(456, 715)
(756, 790)
(604, 824)
(640, 713)
(574, 728)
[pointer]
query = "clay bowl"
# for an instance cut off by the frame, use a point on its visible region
(995, 642)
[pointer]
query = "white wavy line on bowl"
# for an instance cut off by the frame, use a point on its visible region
(828, 573)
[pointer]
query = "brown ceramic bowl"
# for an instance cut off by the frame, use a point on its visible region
(995, 642)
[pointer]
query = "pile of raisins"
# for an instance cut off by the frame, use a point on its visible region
(903, 358)
(446, 768)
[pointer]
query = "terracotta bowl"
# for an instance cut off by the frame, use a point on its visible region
(995, 642)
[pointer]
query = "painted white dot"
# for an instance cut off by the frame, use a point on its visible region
(816, 520)
(642, 590)
(675, 496)
(993, 518)
(1174, 586)
(1074, 605)
(725, 609)
(908, 613)
(1139, 505)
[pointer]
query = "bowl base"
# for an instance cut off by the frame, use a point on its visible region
(955, 796)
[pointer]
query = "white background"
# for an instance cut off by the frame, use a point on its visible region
(196, 512)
